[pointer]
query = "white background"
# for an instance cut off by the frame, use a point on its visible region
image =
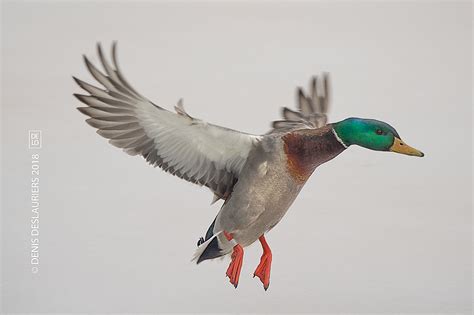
(370, 232)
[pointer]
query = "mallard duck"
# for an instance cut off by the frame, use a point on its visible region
(257, 176)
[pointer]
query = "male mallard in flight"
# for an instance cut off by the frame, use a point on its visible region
(258, 177)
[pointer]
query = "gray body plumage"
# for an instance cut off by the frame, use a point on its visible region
(262, 195)
(266, 186)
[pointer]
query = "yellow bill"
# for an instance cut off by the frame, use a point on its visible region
(400, 147)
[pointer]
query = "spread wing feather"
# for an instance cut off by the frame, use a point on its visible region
(189, 148)
(312, 108)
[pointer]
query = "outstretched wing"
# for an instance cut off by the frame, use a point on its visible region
(184, 146)
(312, 108)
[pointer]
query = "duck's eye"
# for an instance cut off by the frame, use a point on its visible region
(379, 132)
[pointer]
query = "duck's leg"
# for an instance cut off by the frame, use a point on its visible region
(233, 272)
(263, 269)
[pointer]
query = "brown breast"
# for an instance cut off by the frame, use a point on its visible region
(306, 149)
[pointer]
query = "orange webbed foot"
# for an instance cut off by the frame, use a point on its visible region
(235, 266)
(233, 272)
(263, 269)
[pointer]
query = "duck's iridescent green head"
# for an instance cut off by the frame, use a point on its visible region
(372, 134)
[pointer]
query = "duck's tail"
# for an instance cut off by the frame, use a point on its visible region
(216, 246)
